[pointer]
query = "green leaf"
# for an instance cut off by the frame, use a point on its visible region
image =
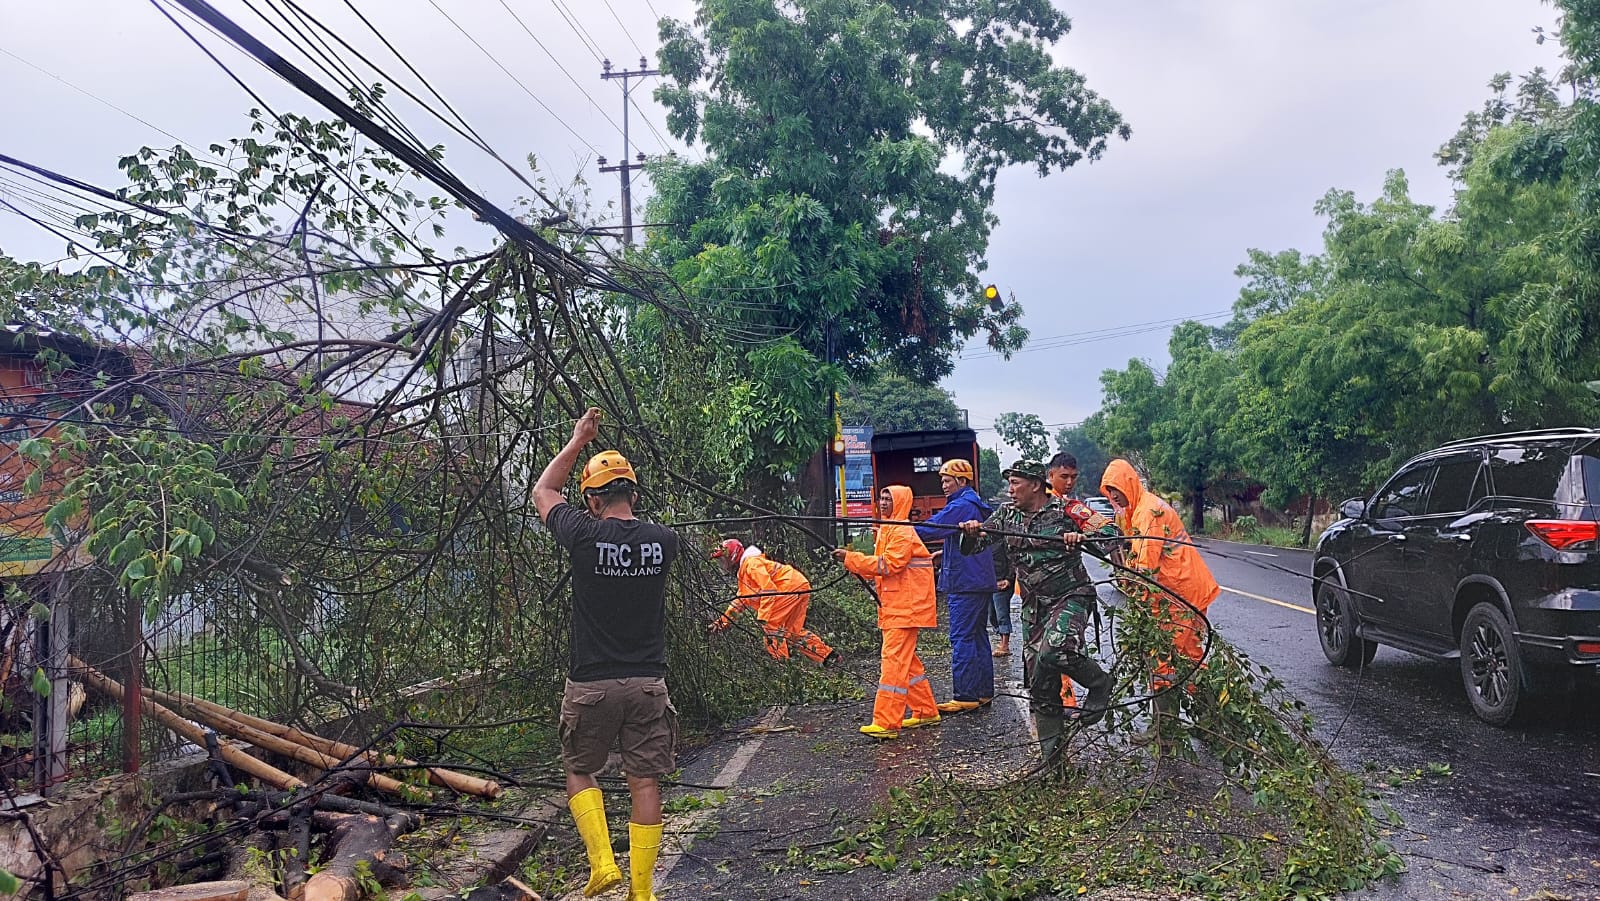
(9, 883)
(39, 612)
(41, 683)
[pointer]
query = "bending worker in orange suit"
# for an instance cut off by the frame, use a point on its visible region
(1176, 564)
(903, 568)
(779, 594)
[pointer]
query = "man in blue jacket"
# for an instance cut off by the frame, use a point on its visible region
(969, 583)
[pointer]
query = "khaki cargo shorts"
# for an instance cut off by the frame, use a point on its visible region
(635, 715)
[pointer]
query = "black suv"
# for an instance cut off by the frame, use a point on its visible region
(1486, 550)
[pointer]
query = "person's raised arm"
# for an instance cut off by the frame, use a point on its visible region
(547, 491)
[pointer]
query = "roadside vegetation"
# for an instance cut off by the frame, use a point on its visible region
(319, 458)
(1407, 327)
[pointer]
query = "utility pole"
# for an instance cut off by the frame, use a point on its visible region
(626, 167)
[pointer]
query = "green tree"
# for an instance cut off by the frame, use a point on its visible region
(1026, 433)
(1191, 445)
(851, 154)
(893, 403)
(1534, 101)
(991, 484)
(1273, 282)
(1132, 400)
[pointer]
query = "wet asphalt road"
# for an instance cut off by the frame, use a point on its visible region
(1519, 812)
(1515, 815)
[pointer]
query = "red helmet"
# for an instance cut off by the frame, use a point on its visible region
(731, 548)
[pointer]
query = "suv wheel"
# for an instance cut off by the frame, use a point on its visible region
(1336, 628)
(1491, 664)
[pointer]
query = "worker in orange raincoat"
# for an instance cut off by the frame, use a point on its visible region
(779, 594)
(1168, 557)
(903, 568)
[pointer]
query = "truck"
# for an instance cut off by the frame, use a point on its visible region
(914, 458)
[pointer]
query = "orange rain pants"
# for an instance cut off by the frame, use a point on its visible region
(903, 683)
(903, 568)
(783, 620)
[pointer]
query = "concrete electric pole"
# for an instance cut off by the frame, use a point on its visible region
(626, 167)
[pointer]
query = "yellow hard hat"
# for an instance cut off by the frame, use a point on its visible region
(961, 469)
(606, 467)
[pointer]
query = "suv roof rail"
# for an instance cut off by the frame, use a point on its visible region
(1531, 433)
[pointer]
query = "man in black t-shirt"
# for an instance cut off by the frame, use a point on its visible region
(616, 691)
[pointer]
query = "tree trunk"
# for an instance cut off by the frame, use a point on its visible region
(1197, 520)
(817, 489)
(1311, 510)
(359, 838)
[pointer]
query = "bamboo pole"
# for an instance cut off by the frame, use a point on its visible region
(467, 785)
(227, 725)
(234, 757)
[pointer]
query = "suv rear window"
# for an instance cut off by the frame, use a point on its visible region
(1531, 473)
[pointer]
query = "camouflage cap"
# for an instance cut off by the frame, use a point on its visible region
(1025, 469)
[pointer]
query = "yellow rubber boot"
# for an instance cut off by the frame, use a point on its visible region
(589, 811)
(644, 843)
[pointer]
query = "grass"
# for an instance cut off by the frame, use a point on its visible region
(1247, 530)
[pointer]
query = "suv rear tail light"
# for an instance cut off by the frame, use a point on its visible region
(1565, 534)
(1589, 648)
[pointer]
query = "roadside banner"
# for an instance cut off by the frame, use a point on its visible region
(858, 471)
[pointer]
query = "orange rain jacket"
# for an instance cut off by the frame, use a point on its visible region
(903, 566)
(1176, 566)
(760, 580)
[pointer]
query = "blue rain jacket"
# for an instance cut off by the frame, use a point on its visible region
(960, 573)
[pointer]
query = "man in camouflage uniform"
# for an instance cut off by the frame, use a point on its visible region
(1057, 594)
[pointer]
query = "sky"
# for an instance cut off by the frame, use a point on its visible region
(1244, 113)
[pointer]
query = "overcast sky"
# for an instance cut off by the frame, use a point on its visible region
(1244, 113)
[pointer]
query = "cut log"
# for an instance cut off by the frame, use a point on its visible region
(230, 890)
(234, 757)
(459, 782)
(358, 839)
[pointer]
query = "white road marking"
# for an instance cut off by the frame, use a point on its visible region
(1267, 600)
(1261, 553)
(685, 832)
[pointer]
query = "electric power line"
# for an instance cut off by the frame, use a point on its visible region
(564, 71)
(464, 128)
(624, 27)
(1123, 331)
(570, 18)
(525, 89)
